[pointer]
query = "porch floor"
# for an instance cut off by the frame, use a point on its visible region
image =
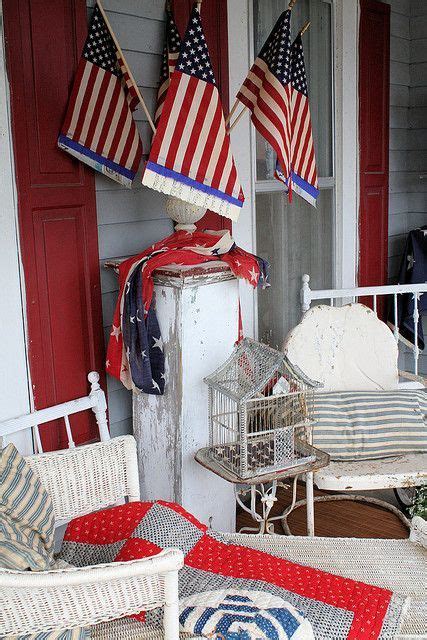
(334, 519)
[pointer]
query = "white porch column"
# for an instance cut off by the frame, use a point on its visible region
(197, 309)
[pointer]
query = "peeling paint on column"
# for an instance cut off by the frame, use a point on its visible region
(170, 428)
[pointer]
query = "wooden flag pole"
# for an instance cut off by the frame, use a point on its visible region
(231, 114)
(304, 28)
(119, 49)
(236, 120)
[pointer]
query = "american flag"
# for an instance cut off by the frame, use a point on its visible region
(190, 155)
(99, 128)
(266, 91)
(170, 56)
(303, 159)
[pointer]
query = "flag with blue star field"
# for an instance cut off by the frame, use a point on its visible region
(135, 353)
(190, 156)
(303, 178)
(99, 128)
(266, 92)
(170, 56)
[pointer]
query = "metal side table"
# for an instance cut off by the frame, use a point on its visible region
(265, 486)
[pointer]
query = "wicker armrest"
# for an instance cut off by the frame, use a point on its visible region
(412, 376)
(33, 602)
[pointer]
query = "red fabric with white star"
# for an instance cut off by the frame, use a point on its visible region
(181, 248)
(205, 552)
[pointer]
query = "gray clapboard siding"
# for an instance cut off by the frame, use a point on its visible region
(132, 237)
(130, 220)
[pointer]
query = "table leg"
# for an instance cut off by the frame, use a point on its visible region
(309, 493)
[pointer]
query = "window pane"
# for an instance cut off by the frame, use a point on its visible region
(296, 239)
(318, 59)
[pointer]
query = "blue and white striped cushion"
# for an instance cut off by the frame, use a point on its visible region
(243, 615)
(359, 425)
(26, 515)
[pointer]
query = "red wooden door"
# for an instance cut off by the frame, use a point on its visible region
(215, 25)
(374, 90)
(56, 208)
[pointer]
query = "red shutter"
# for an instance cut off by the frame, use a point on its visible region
(215, 25)
(56, 207)
(374, 90)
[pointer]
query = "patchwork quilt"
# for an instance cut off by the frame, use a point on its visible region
(338, 608)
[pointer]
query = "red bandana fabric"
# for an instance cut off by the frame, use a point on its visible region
(338, 608)
(135, 350)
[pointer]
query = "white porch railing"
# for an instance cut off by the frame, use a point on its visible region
(307, 296)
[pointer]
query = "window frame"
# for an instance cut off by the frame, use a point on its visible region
(345, 24)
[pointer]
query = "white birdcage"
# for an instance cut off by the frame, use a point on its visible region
(257, 401)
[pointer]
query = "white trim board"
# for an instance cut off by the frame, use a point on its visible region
(14, 381)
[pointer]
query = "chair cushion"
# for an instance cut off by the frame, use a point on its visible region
(344, 348)
(26, 515)
(358, 425)
(242, 615)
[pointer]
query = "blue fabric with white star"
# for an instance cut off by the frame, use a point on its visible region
(142, 337)
(194, 57)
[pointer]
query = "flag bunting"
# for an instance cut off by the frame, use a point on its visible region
(190, 155)
(266, 91)
(303, 178)
(99, 128)
(170, 55)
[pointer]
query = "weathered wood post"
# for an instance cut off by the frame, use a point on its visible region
(197, 309)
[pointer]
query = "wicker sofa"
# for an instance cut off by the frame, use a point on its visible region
(87, 478)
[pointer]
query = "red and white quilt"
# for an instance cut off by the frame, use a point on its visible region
(338, 608)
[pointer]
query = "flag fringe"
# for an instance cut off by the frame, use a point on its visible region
(188, 190)
(109, 168)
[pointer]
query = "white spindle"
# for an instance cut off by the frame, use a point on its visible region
(374, 300)
(416, 317)
(38, 439)
(71, 444)
(332, 302)
(396, 328)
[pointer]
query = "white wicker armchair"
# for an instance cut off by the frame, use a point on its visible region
(82, 480)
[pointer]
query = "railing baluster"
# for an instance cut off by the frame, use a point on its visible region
(332, 302)
(374, 301)
(416, 317)
(38, 439)
(396, 328)
(71, 444)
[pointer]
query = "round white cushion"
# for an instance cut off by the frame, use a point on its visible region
(346, 348)
(243, 614)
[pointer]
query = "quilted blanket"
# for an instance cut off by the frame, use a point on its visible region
(338, 608)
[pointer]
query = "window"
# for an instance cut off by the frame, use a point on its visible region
(297, 238)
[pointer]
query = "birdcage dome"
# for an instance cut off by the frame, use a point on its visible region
(250, 367)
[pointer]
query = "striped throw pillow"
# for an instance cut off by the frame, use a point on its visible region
(370, 424)
(26, 515)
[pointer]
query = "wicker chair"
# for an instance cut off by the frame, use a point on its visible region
(82, 480)
(94, 476)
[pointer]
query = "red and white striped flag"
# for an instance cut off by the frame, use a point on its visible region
(170, 56)
(99, 128)
(303, 159)
(190, 155)
(267, 91)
